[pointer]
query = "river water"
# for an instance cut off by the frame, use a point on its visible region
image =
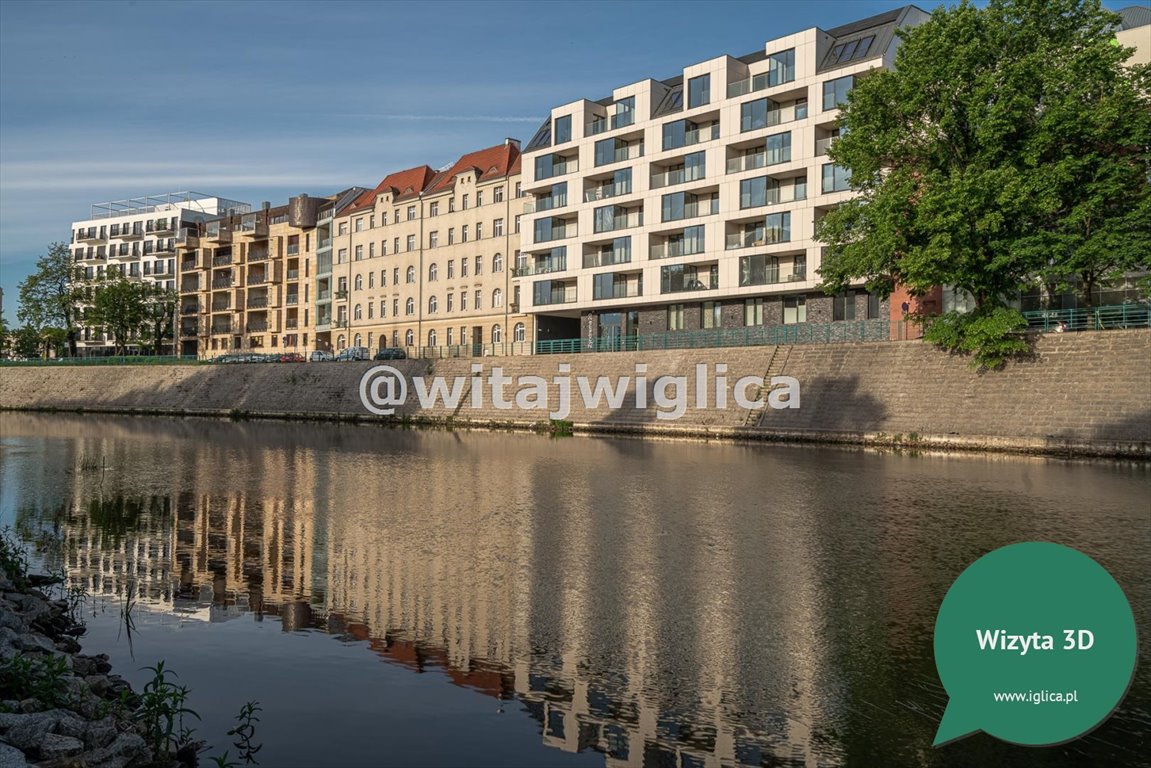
(434, 598)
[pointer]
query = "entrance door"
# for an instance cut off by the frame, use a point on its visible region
(477, 340)
(610, 332)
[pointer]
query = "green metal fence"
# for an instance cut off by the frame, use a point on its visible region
(801, 333)
(110, 360)
(1115, 317)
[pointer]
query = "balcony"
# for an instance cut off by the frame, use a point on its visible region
(672, 178)
(624, 221)
(291, 324)
(341, 294)
(760, 237)
(569, 165)
(258, 254)
(323, 242)
(542, 267)
(187, 238)
(547, 203)
(187, 265)
(513, 307)
(192, 286)
(689, 286)
(135, 233)
(215, 233)
(189, 331)
(222, 282)
(621, 120)
(571, 229)
(760, 82)
(257, 302)
(222, 306)
(293, 274)
(164, 247)
(821, 145)
(253, 225)
(293, 249)
(256, 279)
(190, 309)
(606, 191)
(218, 328)
(567, 295)
(292, 299)
(323, 295)
(222, 261)
(619, 154)
(340, 324)
(163, 226)
(747, 162)
(621, 290)
(93, 236)
(256, 326)
(674, 248)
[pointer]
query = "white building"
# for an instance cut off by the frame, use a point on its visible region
(690, 203)
(138, 237)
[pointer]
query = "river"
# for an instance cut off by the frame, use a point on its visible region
(395, 597)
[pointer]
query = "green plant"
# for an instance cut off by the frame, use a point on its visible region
(989, 337)
(222, 761)
(560, 428)
(127, 622)
(13, 558)
(244, 732)
(27, 676)
(163, 707)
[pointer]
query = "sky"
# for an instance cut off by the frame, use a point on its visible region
(257, 101)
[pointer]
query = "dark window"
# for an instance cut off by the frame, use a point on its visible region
(699, 91)
(563, 129)
(835, 92)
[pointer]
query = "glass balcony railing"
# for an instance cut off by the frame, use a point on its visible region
(678, 176)
(618, 222)
(821, 146)
(621, 290)
(747, 162)
(540, 267)
(758, 237)
(605, 191)
(606, 258)
(673, 248)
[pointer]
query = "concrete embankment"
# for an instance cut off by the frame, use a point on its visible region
(1079, 394)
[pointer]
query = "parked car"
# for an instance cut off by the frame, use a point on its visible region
(391, 353)
(320, 356)
(291, 357)
(354, 353)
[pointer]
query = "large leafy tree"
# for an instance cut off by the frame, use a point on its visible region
(120, 306)
(1010, 144)
(50, 296)
(159, 315)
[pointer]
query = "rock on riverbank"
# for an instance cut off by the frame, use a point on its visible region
(58, 707)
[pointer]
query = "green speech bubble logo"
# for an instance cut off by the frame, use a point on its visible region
(1035, 644)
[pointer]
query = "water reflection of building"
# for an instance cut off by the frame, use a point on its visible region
(631, 643)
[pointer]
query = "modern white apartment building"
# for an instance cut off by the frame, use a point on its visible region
(138, 237)
(691, 203)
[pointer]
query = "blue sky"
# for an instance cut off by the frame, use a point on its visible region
(262, 100)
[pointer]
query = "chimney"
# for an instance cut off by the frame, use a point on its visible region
(510, 142)
(266, 205)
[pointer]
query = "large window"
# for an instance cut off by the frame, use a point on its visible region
(794, 309)
(699, 91)
(758, 270)
(753, 312)
(548, 292)
(835, 92)
(762, 190)
(779, 148)
(835, 178)
(757, 114)
(563, 129)
(624, 112)
(711, 314)
(777, 227)
(781, 67)
(675, 317)
(843, 306)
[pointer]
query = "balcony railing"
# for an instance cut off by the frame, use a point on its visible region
(672, 249)
(540, 268)
(291, 324)
(560, 233)
(221, 328)
(294, 250)
(689, 286)
(92, 235)
(678, 176)
(135, 233)
(164, 247)
(216, 233)
(342, 294)
(751, 239)
(547, 203)
(624, 290)
(292, 299)
(621, 222)
(323, 296)
(568, 296)
(606, 191)
(570, 165)
(222, 282)
(606, 258)
(192, 287)
(621, 120)
(747, 162)
(190, 309)
(821, 146)
(257, 326)
(760, 82)
(258, 302)
(256, 279)
(221, 306)
(188, 265)
(187, 238)
(222, 261)
(324, 242)
(260, 255)
(293, 274)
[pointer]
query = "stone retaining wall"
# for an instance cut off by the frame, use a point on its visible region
(1081, 393)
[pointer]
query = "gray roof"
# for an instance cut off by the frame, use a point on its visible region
(1134, 16)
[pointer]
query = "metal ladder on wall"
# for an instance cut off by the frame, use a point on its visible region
(775, 366)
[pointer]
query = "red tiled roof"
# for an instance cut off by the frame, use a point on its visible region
(491, 163)
(403, 183)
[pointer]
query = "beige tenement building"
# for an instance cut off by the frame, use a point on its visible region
(424, 261)
(691, 203)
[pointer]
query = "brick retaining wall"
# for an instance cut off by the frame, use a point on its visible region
(1082, 393)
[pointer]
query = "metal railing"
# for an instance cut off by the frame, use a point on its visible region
(109, 360)
(1113, 317)
(799, 333)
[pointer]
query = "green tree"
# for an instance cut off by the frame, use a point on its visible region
(26, 342)
(1010, 144)
(160, 313)
(50, 296)
(119, 305)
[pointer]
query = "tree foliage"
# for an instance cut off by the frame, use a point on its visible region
(119, 306)
(1010, 145)
(50, 296)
